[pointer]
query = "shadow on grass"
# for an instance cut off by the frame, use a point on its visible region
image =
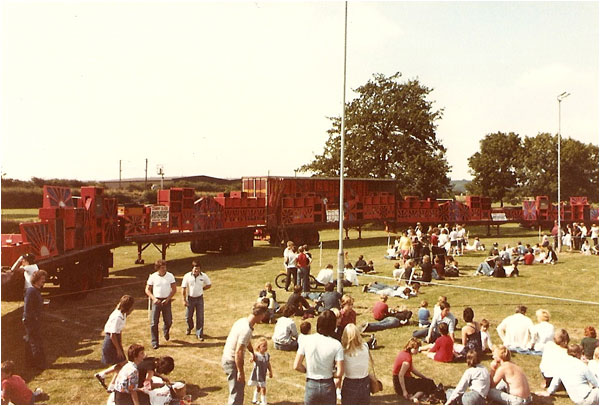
(198, 392)
(59, 340)
(198, 344)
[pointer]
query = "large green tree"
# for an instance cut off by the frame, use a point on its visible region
(539, 171)
(495, 167)
(390, 132)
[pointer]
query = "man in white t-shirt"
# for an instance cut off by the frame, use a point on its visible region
(322, 354)
(160, 288)
(233, 352)
(514, 331)
(325, 275)
(26, 262)
(194, 284)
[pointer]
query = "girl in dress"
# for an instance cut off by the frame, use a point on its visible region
(258, 378)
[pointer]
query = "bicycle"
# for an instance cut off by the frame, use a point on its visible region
(281, 278)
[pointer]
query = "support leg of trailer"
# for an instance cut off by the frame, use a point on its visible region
(488, 230)
(359, 233)
(140, 248)
(498, 229)
(347, 236)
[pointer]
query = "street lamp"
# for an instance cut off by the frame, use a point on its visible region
(560, 98)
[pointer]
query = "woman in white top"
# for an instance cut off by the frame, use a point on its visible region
(356, 386)
(542, 332)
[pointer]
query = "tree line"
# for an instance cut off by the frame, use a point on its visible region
(390, 132)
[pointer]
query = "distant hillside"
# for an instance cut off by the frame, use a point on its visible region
(459, 186)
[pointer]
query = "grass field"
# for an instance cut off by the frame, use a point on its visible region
(20, 215)
(73, 328)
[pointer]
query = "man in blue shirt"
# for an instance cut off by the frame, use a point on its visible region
(32, 320)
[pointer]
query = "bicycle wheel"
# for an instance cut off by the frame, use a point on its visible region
(280, 280)
(313, 282)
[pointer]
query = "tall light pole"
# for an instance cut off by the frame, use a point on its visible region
(560, 98)
(340, 285)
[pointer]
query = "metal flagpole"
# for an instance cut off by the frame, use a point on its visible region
(340, 286)
(560, 98)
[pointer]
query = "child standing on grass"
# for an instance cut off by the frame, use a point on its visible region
(262, 365)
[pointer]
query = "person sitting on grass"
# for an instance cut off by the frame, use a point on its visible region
(470, 335)
(509, 382)
(529, 258)
(443, 348)
(444, 316)
(270, 294)
(541, 333)
(589, 342)
(401, 290)
(14, 388)
(325, 275)
(363, 266)
(424, 314)
(408, 381)
(486, 339)
(581, 384)
(126, 383)
(385, 317)
(476, 378)
(298, 303)
(285, 334)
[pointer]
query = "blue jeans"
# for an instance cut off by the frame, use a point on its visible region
(34, 347)
(319, 392)
(356, 391)
(195, 304)
(157, 309)
(485, 269)
(304, 279)
(388, 322)
(236, 388)
(468, 398)
(292, 276)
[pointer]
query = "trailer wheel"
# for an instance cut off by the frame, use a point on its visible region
(247, 242)
(76, 279)
(97, 275)
(198, 246)
(232, 246)
(313, 238)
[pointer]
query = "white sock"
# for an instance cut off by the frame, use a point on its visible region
(255, 396)
(263, 399)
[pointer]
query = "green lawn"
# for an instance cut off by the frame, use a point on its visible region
(73, 328)
(20, 215)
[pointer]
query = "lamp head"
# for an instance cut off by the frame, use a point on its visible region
(562, 96)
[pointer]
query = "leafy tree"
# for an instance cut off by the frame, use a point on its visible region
(390, 132)
(495, 167)
(579, 167)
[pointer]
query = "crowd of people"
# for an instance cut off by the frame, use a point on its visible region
(336, 357)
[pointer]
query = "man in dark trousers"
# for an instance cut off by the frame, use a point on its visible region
(32, 320)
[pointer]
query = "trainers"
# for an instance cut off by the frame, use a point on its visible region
(188, 332)
(38, 392)
(364, 289)
(167, 336)
(374, 344)
(363, 327)
(155, 346)
(200, 338)
(100, 379)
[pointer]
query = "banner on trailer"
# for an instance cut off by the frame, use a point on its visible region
(159, 214)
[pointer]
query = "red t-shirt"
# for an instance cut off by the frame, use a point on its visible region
(434, 240)
(443, 349)
(302, 260)
(347, 318)
(528, 258)
(401, 358)
(15, 389)
(380, 310)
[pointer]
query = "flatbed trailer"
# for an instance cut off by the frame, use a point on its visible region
(79, 270)
(229, 241)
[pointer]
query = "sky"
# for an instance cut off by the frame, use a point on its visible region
(233, 89)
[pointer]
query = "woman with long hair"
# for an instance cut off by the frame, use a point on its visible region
(355, 389)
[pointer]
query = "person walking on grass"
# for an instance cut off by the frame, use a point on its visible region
(237, 342)
(160, 288)
(194, 284)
